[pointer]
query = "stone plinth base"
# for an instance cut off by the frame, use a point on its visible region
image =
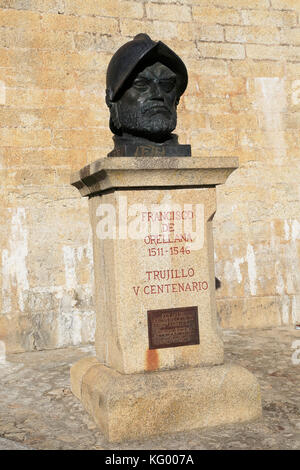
(134, 406)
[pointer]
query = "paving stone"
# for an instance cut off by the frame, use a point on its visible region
(6, 444)
(38, 411)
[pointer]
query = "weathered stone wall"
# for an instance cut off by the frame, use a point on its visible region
(243, 99)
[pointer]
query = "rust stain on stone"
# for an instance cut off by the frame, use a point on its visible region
(152, 359)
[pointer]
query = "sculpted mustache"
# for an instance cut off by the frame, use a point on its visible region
(153, 106)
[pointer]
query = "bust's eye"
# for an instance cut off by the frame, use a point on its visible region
(141, 83)
(168, 85)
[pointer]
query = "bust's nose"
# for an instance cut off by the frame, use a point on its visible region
(156, 92)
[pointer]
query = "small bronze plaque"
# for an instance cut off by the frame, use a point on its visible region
(173, 327)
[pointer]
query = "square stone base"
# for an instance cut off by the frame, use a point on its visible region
(134, 406)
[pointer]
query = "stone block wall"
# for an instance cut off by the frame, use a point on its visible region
(243, 99)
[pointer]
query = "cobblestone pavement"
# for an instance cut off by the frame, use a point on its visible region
(8, 444)
(38, 409)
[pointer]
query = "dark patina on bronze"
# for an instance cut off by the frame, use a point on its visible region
(125, 148)
(172, 327)
(145, 80)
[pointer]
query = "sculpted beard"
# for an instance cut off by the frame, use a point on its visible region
(143, 121)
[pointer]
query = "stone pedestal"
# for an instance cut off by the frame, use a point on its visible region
(159, 353)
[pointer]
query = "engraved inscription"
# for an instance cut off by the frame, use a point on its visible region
(173, 327)
(150, 151)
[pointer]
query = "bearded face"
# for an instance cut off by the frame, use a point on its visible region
(148, 107)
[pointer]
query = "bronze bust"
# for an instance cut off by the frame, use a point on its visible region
(145, 80)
